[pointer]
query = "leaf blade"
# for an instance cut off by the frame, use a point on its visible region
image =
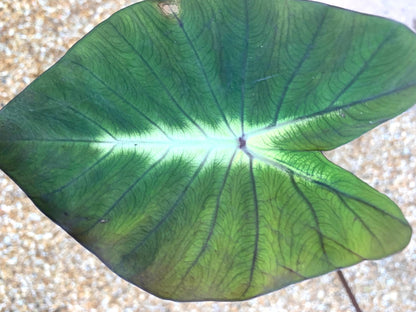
(150, 157)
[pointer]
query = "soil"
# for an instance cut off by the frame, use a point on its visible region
(44, 269)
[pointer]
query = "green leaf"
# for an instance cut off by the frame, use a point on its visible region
(180, 142)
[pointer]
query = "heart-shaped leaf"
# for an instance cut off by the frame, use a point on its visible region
(180, 142)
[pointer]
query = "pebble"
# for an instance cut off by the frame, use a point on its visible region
(43, 269)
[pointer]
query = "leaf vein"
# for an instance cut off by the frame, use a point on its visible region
(314, 215)
(305, 57)
(170, 211)
(128, 190)
(204, 73)
(214, 220)
(121, 98)
(74, 179)
(363, 68)
(164, 87)
(257, 227)
(244, 66)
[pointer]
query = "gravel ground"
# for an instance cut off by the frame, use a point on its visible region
(43, 269)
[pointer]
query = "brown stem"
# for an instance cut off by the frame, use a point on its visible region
(349, 292)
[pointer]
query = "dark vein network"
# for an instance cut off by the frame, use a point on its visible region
(163, 86)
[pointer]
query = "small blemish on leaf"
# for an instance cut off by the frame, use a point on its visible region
(169, 8)
(103, 221)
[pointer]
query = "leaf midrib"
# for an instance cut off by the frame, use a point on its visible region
(209, 142)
